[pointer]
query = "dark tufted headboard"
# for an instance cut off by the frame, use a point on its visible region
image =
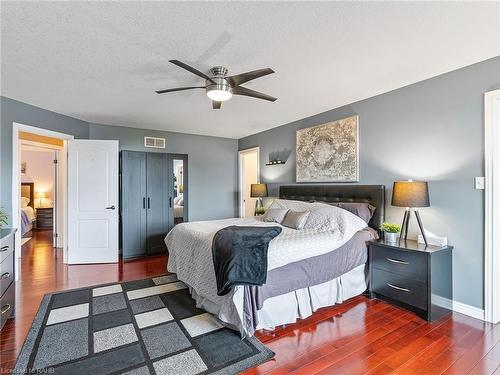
(373, 194)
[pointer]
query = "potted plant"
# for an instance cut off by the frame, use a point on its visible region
(390, 231)
(260, 211)
(3, 217)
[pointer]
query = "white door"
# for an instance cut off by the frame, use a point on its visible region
(249, 174)
(92, 201)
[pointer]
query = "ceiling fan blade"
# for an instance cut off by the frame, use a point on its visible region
(216, 105)
(238, 90)
(191, 69)
(179, 89)
(248, 76)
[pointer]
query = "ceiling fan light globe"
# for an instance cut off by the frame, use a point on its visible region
(219, 95)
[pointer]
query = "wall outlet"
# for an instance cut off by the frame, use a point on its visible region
(479, 183)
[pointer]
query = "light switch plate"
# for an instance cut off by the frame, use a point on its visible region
(479, 183)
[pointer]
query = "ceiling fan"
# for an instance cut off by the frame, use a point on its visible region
(220, 87)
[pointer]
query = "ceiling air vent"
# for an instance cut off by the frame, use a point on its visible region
(153, 142)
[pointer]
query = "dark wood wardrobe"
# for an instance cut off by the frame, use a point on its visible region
(146, 201)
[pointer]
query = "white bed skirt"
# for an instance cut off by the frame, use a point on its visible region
(287, 308)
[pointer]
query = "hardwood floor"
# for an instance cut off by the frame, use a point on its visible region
(361, 336)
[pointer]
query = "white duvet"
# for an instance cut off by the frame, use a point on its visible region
(190, 250)
(30, 213)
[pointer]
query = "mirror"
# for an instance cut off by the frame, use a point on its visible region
(178, 179)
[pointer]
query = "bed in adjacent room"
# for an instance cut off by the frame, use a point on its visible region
(320, 265)
(28, 215)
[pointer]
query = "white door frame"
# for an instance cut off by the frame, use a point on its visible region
(492, 209)
(16, 182)
(241, 204)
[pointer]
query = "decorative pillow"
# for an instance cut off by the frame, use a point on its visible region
(296, 219)
(275, 215)
(363, 210)
(24, 202)
(181, 201)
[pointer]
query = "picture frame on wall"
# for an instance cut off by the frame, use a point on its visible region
(328, 152)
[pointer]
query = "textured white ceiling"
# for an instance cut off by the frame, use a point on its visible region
(102, 61)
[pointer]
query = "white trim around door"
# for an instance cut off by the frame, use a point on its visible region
(241, 200)
(16, 183)
(492, 207)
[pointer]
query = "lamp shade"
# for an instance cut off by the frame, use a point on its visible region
(258, 190)
(40, 194)
(410, 194)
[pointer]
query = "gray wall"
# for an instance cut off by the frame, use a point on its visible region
(431, 130)
(212, 160)
(212, 166)
(22, 113)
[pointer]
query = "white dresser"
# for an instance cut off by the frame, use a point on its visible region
(7, 284)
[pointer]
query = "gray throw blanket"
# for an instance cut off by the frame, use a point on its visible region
(240, 256)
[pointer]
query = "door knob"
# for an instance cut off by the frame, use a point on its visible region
(110, 208)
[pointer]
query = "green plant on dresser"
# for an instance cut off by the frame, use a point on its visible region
(4, 219)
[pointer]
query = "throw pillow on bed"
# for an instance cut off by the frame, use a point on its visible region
(274, 215)
(24, 202)
(295, 219)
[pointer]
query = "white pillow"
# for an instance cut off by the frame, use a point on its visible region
(181, 201)
(24, 202)
(177, 199)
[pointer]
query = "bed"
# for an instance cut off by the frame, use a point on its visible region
(307, 269)
(28, 215)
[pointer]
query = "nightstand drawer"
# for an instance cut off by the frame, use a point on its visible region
(399, 288)
(408, 264)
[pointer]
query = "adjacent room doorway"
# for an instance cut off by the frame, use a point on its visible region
(53, 142)
(249, 173)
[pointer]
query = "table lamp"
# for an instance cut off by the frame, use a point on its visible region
(258, 191)
(410, 194)
(40, 195)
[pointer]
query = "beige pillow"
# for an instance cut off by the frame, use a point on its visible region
(295, 219)
(24, 202)
(275, 215)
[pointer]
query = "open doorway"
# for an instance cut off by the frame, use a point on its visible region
(249, 173)
(39, 184)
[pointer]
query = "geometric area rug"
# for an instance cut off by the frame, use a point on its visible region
(141, 327)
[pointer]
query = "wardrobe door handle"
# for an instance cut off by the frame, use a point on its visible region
(4, 248)
(398, 288)
(5, 308)
(149, 203)
(170, 202)
(143, 202)
(4, 275)
(110, 208)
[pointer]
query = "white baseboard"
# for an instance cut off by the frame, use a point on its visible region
(469, 310)
(459, 307)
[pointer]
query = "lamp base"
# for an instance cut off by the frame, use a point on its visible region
(258, 207)
(406, 224)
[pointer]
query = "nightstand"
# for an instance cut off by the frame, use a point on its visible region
(44, 217)
(412, 276)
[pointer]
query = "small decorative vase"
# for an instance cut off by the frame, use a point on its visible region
(390, 237)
